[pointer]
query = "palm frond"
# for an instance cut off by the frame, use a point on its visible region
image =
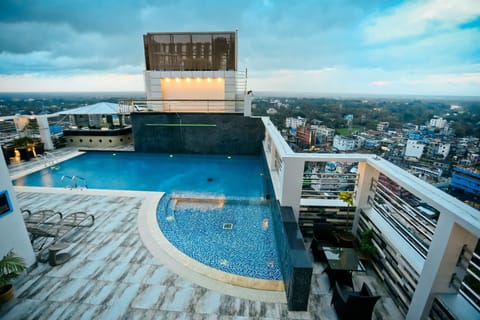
(11, 266)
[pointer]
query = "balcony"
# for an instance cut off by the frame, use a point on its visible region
(127, 106)
(425, 239)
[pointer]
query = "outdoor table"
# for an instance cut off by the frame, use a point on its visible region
(344, 259)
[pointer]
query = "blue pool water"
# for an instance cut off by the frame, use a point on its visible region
(234, 187)
(238, 176)
(236, 236)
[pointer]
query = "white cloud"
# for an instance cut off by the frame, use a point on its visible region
(380, 83)
(77, 83)
(368, 81)
(419, 18)
(439, 50)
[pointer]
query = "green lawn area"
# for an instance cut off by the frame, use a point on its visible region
(347, 131)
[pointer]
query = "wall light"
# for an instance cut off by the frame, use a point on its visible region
(219, 79)
(198, 79)
(177, 79)
(209, 80)
(188, 79)
(167, 79)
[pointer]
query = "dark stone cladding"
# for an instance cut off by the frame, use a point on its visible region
(298, 276)
(294, 258)
(197, 133)
(97, 132)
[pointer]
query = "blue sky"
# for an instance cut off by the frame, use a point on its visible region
(321, 46)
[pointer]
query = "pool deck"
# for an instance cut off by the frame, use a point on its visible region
(113, 275)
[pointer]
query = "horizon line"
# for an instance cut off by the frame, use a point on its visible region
(266, 93)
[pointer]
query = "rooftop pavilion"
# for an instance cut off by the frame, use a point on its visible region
(192, 72)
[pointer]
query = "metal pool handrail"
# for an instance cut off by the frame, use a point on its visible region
(73, 182)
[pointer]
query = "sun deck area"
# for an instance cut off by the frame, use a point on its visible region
(112, 274)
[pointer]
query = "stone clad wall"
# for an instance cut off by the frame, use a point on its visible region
(197, 133)
(294, 258)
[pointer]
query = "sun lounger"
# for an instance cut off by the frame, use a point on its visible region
(48, 230)
(41, 216)
(52, 227)
(78, 219)
(48, 226)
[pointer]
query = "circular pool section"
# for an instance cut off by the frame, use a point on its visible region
(234, 235)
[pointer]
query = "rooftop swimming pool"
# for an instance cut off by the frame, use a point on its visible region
(237, 176)
(215, 209)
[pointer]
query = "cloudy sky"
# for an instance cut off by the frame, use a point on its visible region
(321, 46)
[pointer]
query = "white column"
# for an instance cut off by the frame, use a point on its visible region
(365, 175)
(440, 265)
(45, 132)
(13, 233)
(291, 181)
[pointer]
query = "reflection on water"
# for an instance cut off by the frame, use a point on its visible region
(265, 224)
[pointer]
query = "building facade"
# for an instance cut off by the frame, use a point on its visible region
(414, 149)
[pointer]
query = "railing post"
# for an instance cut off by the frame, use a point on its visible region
(291, 182)
(366, 174)
(441, 264)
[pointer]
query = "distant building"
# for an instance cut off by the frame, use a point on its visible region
(305, 135)
(466, 182)
(381, 126)
(439, 148)
(425, 173)
(271, 111)
(414, 135)
(439, 123)
(342, 143)
(295, 122)
(414, 149)
(325, 134)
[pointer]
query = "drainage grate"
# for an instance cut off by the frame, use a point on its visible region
(228, 226)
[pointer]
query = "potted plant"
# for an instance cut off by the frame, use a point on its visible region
(11, 266)
(347, 197)
(367, 248)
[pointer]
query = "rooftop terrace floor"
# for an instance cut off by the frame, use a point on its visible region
(112, 275)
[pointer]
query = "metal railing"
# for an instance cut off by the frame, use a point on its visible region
(181, 105)
(470, 288)
(416, 229)
(327, 185)
(74, 182)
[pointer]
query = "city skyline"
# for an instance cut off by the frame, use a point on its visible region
(356, 47)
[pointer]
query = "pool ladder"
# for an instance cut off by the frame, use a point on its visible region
(74, 182)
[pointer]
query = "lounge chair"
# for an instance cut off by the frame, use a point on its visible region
(56, 230)
(46, 226)
(41, 216)
(48, 230)
(354, 305)
(78, 219)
